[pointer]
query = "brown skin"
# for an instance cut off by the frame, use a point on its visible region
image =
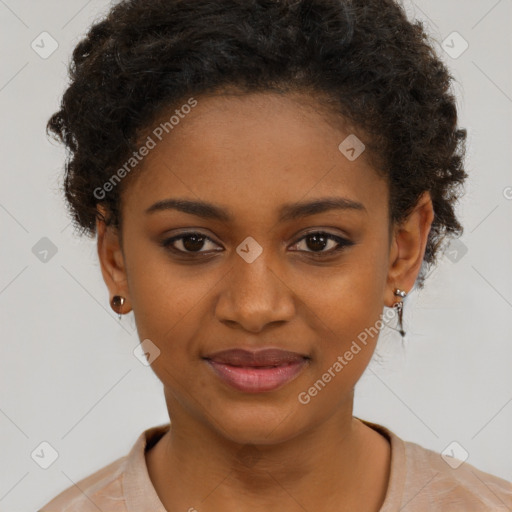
(251, 154)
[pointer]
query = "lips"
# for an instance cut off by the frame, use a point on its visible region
(270, 357)
(257, 372)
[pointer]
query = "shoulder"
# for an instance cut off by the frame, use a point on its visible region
(120, 486)
(446, 483)
(93, 492)
(422, 480)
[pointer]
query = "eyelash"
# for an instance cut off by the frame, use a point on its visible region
(342, 243)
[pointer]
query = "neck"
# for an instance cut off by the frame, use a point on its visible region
(329, 467)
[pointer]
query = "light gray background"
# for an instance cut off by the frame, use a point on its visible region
(68, 374)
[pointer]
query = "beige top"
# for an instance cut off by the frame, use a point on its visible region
(420, 480)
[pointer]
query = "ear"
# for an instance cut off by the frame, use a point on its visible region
(112, 261)
(407, 250)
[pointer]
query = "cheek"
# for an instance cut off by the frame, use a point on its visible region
(350, 329)
(345, 308)
(163, 296)
(346, 330)
(167, 308)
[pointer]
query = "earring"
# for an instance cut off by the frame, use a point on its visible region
(117, 304)
(399, 306)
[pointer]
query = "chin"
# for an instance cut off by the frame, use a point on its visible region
(258, 424)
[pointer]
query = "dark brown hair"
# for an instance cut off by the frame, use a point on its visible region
(378, 70)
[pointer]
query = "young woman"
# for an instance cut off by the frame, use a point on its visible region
(264, 177)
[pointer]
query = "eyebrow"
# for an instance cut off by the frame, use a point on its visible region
(287, 212)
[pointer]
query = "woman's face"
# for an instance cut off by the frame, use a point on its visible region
(257, 280)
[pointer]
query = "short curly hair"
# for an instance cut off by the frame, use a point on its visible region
(363, 59)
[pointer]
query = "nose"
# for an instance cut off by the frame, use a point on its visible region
(254, 295)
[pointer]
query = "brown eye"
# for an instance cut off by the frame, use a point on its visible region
(189, 242)
(317, 241)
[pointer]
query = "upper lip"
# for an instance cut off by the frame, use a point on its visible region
(262, 357)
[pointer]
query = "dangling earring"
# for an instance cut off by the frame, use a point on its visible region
(399, 306)
(117, 304)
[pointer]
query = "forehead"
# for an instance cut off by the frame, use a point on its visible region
(259, 150)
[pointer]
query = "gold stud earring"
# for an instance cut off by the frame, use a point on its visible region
(117, 303)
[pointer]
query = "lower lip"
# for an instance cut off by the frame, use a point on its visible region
(257, 380)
